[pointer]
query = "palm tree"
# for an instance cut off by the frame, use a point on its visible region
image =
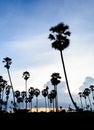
(17, 95)
(81, 95)
(31, 95)
(36, 93)
(53, 96)
(7, 91)
(45, 94)
(8, 62)
(59, 36)
(55, 81)
(23, 95)
(87, 92)
(26, 76)
(92, 90)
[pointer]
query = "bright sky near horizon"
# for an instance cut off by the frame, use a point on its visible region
(24, 30)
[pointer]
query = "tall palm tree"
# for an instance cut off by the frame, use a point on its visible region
(59, 36)
(26, 76)
(8, 62)
(55, 80)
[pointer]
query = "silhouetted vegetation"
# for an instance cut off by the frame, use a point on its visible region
(59, 116)
(59, 35)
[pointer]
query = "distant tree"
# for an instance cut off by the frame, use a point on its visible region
(31, 95)
(81, 95)
(92, 90)
(3, 84)
(86, 93)
(23, 95)
(45, 94)
(7, 92)
(26, 76)
(36, 93)
(53, 96)
(8, 62)
(55, 80)
(17, 95)
(59, 36)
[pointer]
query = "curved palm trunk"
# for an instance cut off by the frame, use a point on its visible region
(11, 86)
(77, 108)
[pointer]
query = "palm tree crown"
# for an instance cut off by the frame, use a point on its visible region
(60, 39)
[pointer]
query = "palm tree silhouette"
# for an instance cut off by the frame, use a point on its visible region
(55, 81)
(31, 95)
(92, 90)
(36, 93)
(87, 92)
(17, 95)
(45, 94)
(8, 62)
(26, 76)
(53, 96)
(3, 84)
(23, 95)
(7, 91)
(59, 36)
(81, 95)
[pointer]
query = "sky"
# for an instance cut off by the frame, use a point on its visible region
(24, 30)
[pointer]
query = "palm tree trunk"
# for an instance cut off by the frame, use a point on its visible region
(45, 105)
(11, 86)
(26, 92)
(81, 102)
(62, 59)
(56, 98)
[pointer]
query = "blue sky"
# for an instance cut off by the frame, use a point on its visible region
(24, 30)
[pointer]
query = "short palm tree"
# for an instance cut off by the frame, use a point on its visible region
(26, 76)
(92, 90)
(31, 95)
(23, 95)
(36, 93)
(17, 95)
(7, 91)
(59, 36)
(53, 96)
(81, 95)
(87, 92)
(8, 62)
(55, 80)
(45, 94)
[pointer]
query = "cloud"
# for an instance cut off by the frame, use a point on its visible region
(87, 82)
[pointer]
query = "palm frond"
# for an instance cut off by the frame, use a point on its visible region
(51, 37)
(67, 33)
